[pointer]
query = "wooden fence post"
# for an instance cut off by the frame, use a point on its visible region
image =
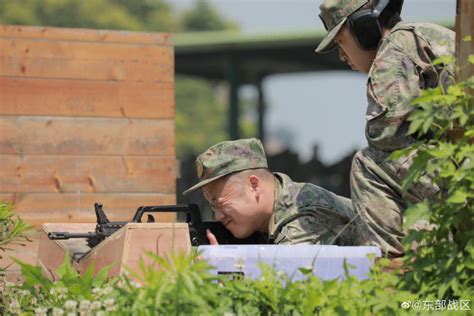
(464, 30)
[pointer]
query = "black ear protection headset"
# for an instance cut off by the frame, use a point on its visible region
(365, 25)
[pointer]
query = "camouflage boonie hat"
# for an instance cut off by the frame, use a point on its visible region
(334, 14)
(228, 157)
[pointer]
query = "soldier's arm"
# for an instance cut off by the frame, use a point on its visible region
(394, 82)
(305, 229)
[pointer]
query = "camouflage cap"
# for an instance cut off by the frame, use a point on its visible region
(334, 14)
(228, 157)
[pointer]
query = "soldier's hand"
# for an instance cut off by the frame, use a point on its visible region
(211, 237)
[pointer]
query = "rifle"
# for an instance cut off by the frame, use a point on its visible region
(197, 228)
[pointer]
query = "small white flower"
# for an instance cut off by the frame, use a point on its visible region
(95, 305)
(109, 304)
(41, 311)
(281, 274)
(23, 292)
(58, 311)
(70, 305)
(109, 301)
(14, 307)
(97, 291)
(59, 292)
(84, 305)
(108, 290)
(110, 309)
(100, 313)
(9, 284)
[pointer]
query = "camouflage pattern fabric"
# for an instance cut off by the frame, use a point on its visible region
(307, 214)
(227, 157)
(401, 69)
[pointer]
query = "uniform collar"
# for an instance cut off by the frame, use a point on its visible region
(284, 199)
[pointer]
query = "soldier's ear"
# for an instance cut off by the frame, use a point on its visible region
(255, 183)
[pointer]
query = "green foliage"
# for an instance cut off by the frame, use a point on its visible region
(114, 14)
(12, 229)
(203, 17)
(200, 117)
(183, 286)
(72, 292)
(442, 263)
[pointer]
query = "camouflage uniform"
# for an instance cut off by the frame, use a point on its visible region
(401, 69)
(306, 213)
(303, 213)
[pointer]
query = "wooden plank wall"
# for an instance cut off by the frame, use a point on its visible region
(85, 116)
(464, 28)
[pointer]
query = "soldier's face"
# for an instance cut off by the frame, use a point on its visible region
(235, 205)
(349, 52)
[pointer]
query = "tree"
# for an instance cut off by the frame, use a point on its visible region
(200, 116)
(203, 17)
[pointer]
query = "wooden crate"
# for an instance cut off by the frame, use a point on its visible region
(85, 116)
(123, 251)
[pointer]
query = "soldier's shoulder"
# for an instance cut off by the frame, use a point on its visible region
(401, 46)
(313, 195)
(407, 35)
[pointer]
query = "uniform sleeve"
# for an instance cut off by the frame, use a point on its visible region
(307, 229)
(393, 83)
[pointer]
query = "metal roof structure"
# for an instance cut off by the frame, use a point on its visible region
(211, 54)
(247, 59)
(240, 58)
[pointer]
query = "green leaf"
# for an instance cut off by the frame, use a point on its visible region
(33, 275)
(444, 150)
(457, 90)
(101, 276)
(459, 197)
(416, 169)
(445, 60)
(427, 124)
(415, 213)
(469, 133)
(470, 59)
(66, 270)
(467, 38)
(306, 271)
(415, 126)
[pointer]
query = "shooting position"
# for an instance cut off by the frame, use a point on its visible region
(247, 198)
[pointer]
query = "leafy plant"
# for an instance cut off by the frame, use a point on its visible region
(182, 285)
(442, 265)
(86, 293)
(12, 229)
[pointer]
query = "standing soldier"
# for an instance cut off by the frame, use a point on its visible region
(398, 58)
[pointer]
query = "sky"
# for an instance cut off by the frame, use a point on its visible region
(326, 108)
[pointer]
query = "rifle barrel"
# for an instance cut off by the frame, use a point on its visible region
(67, 235)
